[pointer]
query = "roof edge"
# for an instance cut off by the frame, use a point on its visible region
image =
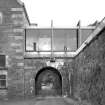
(98, 29)
(20, 2)
(26, 14)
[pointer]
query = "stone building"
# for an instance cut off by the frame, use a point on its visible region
(46, 61)
(13, 19)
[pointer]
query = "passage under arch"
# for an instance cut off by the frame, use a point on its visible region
(48, 81)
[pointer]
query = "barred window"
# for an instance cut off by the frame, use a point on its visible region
(2, 81)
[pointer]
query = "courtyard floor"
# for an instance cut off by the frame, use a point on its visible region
(42, 101)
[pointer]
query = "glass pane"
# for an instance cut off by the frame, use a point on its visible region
(44, 41)
(64, 38)
(2, 83)
(2, 60)
(85, 34)
(2, 76)
(31, 39)
(40, 39)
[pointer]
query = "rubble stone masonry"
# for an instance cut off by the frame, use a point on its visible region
(89, 71)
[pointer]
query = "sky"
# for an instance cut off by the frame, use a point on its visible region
(64, 13)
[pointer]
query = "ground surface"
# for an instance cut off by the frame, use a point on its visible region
(53, 101)
(40, 101)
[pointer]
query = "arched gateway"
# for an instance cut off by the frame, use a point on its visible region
(48, 82)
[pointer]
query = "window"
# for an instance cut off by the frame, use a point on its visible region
(2, 60)
(3, 79)
(40, 39)
(1, 17)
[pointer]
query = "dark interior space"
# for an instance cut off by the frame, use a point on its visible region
(48, 82)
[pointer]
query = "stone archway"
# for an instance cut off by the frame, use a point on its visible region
(48, 82)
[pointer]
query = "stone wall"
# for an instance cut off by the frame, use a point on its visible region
(12, 46)
(89, 72)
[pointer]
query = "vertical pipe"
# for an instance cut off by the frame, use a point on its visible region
(34, 45)
(38, 40)
(80, 41)
(79, 38)
(23, 67)
(24, 84)
(52, 38)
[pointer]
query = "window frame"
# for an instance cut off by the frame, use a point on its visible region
(3, 72)
(53, 44)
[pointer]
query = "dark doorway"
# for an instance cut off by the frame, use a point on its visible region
(48, 82)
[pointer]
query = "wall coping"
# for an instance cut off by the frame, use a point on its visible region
(73, 27)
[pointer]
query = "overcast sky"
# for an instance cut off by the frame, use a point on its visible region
(64, 13)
